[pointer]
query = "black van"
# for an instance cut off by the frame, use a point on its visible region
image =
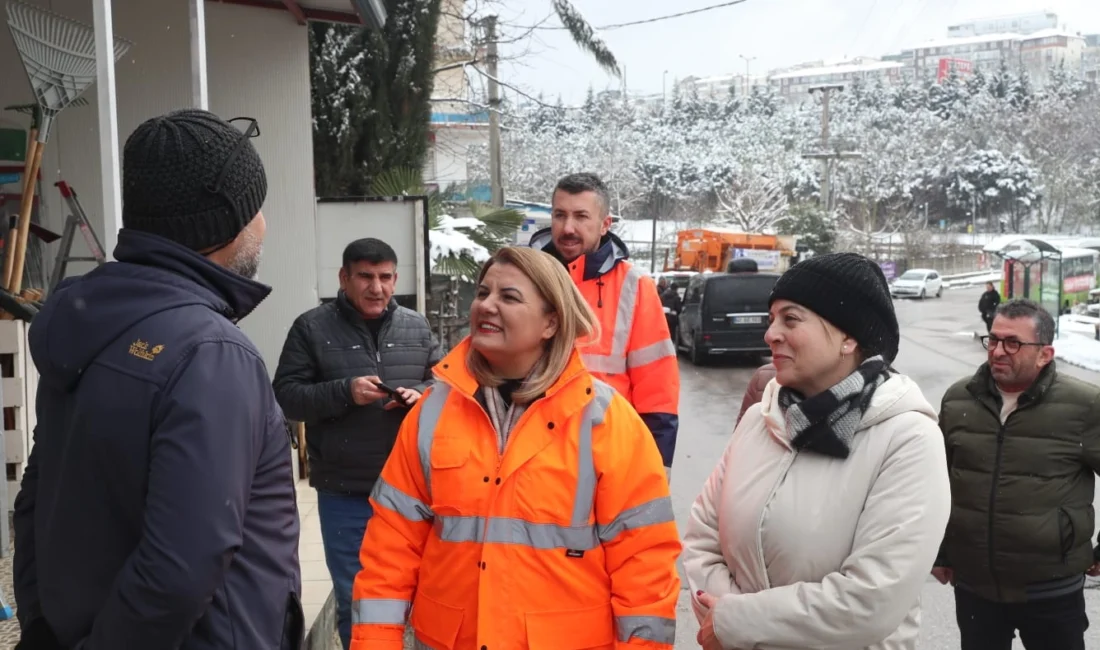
(725, 313)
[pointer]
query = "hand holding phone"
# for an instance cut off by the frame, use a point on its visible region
(365, 390)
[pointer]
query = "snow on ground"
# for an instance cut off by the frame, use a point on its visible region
(1076, 344)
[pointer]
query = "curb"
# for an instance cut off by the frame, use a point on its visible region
(322, 633)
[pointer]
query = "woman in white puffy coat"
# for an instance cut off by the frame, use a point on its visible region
(824, 516)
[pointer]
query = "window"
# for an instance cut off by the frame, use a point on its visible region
(694, 293)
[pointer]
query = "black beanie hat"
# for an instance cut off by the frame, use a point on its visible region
(171, 167)
(851, 292)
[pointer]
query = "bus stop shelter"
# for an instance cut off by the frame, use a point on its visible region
(1033, 270)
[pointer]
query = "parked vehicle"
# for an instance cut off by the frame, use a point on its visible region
(917, 283)
(725, 313)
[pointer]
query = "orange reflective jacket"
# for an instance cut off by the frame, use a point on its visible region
(635, 353)
(567, 540)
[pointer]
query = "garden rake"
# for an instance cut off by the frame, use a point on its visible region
(60, 60)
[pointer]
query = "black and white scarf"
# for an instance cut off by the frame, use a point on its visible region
(827, 422)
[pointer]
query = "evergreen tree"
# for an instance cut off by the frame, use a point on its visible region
(371, 93)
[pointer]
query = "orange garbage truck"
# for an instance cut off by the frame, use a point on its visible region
(712, 249)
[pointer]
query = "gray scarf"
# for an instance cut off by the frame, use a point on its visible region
(504, 416)
(827, 422)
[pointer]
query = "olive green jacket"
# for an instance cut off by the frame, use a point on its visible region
(1022, 513)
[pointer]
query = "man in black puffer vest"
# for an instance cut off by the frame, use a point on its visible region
(1023, 447)
(332, 363)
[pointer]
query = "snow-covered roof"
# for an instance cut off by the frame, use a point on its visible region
(1053, 31)
(968, 40)
(873, 66)
(712, 80)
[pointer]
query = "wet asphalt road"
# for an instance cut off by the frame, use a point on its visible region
(934, 352)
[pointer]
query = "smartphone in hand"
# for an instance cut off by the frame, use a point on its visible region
(392, 392)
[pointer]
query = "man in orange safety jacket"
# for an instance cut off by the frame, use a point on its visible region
(635, 353)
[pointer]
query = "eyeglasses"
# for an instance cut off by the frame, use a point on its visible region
(1011, 346)
(251, 130)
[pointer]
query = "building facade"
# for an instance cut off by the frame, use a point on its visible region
(795, 85)
(459, 122)
(986, 53)
(1043, 51)
(1024, 23)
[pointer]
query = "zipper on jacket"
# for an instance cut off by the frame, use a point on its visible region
(993, 505)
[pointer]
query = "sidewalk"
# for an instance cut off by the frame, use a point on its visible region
(320, 611)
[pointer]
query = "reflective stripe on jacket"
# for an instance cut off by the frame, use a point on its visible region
(566, 541)
(635, 353)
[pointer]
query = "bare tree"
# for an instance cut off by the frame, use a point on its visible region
(753, 203)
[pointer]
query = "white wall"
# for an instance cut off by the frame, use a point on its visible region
(448, 156)
(258, 66)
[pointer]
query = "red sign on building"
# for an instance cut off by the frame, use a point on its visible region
(961, 66)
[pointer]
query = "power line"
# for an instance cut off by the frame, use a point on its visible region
(647, 21)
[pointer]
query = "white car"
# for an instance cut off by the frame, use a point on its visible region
(917, 283)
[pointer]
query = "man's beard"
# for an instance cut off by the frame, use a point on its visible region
(246, 261)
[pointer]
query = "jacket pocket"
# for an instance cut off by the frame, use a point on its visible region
(294, 623)
(436, 623)
(576, 629)
(1067, 533)
(451, 476)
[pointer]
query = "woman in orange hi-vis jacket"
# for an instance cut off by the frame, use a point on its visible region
(525, 503)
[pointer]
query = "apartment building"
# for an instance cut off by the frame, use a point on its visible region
(794, 85)
(985, 52)
(459, 123)
(1046, 49)
(1023, 23)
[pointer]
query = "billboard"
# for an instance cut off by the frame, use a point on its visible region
(961, 66)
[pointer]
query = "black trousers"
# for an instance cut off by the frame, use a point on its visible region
(1050, 624)
(988, 320)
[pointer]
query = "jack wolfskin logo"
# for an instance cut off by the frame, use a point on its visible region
(141, 350)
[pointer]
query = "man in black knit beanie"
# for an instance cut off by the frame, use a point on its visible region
(157, 509)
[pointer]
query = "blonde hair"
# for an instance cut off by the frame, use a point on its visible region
(576, 320)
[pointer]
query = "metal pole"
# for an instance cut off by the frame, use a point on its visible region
(491, 61)
(111, 183)
(825, 184)
(653, 245)
(200, 96)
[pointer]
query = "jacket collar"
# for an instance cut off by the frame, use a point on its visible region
(590, 266)
(569, 393)
(230, 294)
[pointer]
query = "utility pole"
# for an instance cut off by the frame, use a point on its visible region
(748, 60)
(827, 155)
(491, 60)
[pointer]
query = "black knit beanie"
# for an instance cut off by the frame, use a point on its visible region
(851, 292)
(171, 167)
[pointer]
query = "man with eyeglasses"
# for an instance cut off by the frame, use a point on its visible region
(157, 509)
(1023, 445)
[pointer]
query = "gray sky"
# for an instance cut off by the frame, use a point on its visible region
(776, 32)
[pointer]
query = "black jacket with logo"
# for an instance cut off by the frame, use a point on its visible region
(328, 347)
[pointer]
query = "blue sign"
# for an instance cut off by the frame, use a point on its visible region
(889, 269)
(9, 178)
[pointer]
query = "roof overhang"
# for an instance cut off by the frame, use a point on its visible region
(370, 13)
